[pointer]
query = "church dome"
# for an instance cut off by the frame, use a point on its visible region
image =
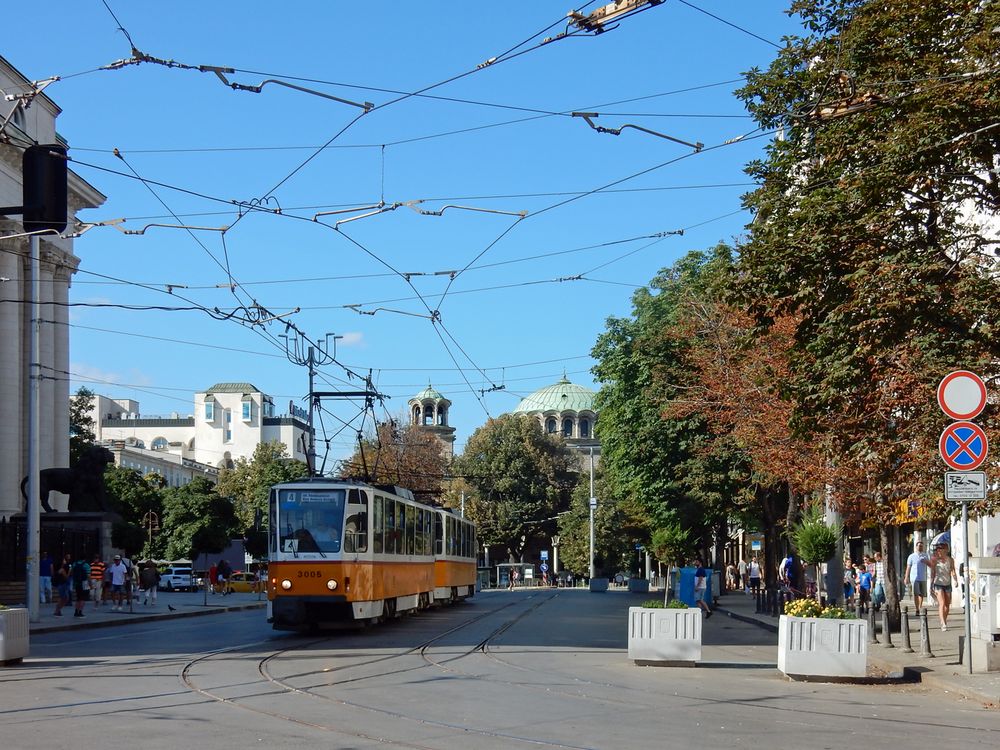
(560, 397)
(428, 393)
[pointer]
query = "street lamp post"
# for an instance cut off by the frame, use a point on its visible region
(593, 507)
(151, 522)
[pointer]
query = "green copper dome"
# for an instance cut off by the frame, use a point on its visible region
(428, 393)
(563, 396)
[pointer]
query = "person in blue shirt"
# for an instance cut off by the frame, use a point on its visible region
(701, 587)
(864, 587)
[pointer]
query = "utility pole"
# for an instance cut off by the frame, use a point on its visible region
(34, 423)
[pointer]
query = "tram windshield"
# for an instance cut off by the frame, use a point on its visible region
(310, 520)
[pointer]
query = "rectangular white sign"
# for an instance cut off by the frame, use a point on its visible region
(965, 485)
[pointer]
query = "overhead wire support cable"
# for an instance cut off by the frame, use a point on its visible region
(588, 117)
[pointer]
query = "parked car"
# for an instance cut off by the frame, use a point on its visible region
(242, 583)
(176, 579)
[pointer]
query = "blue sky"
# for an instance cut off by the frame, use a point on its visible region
(517, 317)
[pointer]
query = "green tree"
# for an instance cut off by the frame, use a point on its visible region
(196, 520)
(673, 467)
(81, 424)
(249, 481)
(133, 496)
(871, 230)
(618, 528)
(519, 476)
(408, 456)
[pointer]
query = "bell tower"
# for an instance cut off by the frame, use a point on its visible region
(429, 411)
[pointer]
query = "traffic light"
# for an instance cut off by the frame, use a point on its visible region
(43, 175)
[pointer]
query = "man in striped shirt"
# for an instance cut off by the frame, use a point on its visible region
(96, 580)
(878, 594)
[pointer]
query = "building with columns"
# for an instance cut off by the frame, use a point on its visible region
(429, 411)
(26, 126)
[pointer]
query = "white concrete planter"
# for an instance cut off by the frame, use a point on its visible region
(598, 584)
(664, 635)
(638, 585)
(817, 647)
(13, 635)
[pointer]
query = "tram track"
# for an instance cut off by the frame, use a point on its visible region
(285, 687)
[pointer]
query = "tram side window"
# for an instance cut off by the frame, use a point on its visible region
(429, 531)
(390, 527)
(420, 531)
(273, 521)
(400, 528)
(465, 541)
(356, 526)
(438, 535)
(451, 536)
(377, 524)
(411, 517)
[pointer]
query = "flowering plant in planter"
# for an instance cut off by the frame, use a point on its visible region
(812, 608)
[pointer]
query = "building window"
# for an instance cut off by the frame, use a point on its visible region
(227, 431)
(550, 425)
(247, 410)
(159, 444)
(585, 428)
(268, 407)
(209, 411)
(567, 428)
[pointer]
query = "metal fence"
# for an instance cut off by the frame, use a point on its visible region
(56, 539)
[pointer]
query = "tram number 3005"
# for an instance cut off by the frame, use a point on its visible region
(310, 574)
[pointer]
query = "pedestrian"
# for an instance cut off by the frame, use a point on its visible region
(864, 579)
(944, 574)
(849, 582)
(755, 573)
(514, 575)
(878, 592)
(569, 580)
(45, 578)
(701, 588)
(789, 580)
(225, 572)
(97, 568)
(81, 585)
(743, 570)
(731, 580)
(61, 581)
(149, 582)
(119, 573)
(917, 565)
(213, 575)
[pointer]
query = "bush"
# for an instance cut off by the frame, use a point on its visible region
(676, 604)
(652, 604)
(814, 540)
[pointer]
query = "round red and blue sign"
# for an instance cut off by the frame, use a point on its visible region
(963, 446)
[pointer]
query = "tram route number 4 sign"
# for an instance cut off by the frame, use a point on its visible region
(965, 485)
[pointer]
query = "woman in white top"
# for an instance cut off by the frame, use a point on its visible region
(944, 573)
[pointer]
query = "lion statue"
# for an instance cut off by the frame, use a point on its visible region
(84, 483)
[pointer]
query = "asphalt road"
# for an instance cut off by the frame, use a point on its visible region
(542, 669)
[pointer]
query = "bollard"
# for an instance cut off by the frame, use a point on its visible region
(905, 631)
(925, 638)
(756, 601)
(857, 609)
(886, 631)
(872, 637)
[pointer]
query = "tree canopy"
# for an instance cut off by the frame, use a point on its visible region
(519, 478)
(249, 481)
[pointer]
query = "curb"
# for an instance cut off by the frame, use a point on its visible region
(747, 619)
(136, 619)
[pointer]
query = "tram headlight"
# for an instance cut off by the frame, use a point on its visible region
(331, 584)
(286, 584)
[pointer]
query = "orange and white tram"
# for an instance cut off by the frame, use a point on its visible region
(341, 550)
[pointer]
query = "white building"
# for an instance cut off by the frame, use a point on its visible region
(34, 123)
(229, 421)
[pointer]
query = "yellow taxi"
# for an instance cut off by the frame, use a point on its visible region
(243, 583)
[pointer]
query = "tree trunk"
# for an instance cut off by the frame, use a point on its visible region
(891, 583)
(771, 500)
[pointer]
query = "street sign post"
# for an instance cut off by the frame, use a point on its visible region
(962, 394)
(963, 446)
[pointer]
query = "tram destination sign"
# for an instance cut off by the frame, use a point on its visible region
(965, 485)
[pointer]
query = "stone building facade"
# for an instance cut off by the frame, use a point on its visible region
(27, 125)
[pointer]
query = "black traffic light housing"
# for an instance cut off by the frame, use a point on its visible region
(45, 193)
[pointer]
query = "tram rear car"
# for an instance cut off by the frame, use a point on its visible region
(344, 551)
